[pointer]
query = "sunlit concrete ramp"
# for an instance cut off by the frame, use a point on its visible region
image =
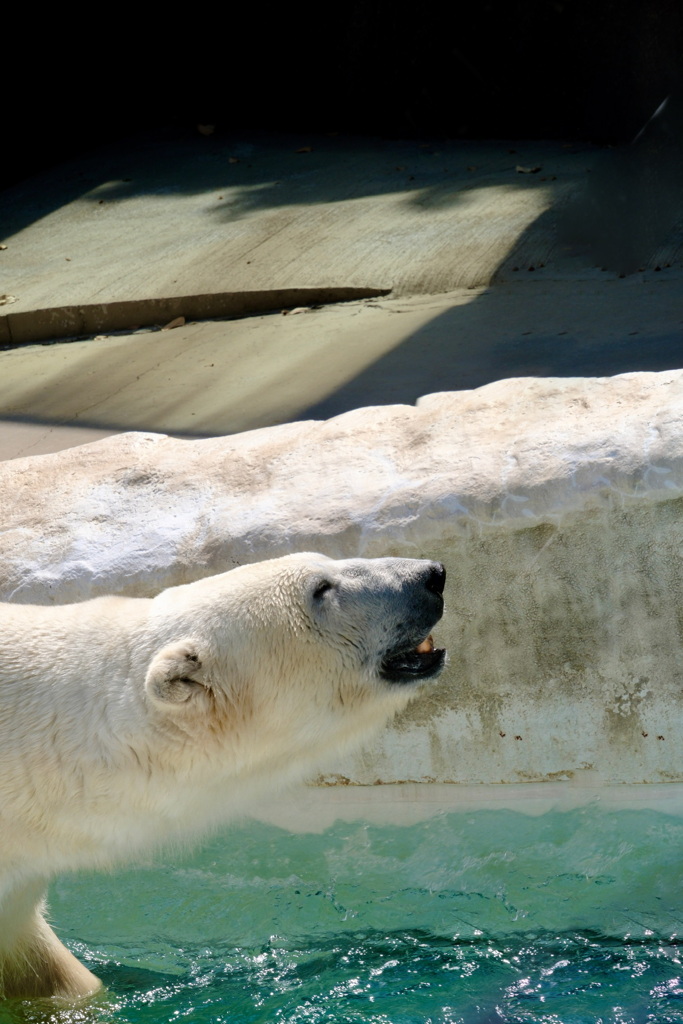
(556, 505)
(209, 228)
(404, 268)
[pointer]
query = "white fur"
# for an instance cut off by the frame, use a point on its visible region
(126, 723)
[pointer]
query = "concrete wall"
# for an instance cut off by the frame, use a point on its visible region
(555, 504)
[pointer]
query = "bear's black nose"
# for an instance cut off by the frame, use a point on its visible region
(436, 580)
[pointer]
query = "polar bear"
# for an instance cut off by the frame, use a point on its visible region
(129, 722)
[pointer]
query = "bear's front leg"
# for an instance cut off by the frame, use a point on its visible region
(33, 962)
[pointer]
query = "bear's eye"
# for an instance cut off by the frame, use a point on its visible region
(321, 590)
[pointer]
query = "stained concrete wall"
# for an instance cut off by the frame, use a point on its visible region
(555, 504)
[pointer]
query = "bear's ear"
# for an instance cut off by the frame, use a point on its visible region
(174, 674)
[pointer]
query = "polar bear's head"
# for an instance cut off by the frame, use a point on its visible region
(290, 658)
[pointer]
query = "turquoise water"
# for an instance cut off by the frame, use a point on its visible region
(479, 917)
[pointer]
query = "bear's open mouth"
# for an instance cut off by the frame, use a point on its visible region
(415, 663)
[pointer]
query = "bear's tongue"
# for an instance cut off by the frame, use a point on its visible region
(426, 647)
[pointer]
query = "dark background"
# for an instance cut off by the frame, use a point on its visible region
(581, 69)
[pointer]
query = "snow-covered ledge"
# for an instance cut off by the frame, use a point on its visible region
(556, 505)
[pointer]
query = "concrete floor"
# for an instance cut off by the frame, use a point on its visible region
(463, 237)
